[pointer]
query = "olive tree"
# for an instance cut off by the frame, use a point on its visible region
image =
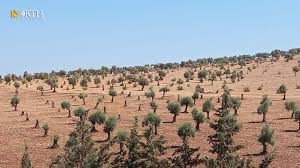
(143, 82)
(266, 137)
(66, 105)
(15, 100)
(154, 106)
(186, 101)
(195, 96)
(264, 107)
(185, 131)
(164, 90)
(207, 107)
(282, 90)
(174, 108)
(236, 104)
(151, 94)
(297, 118)
(112, 93)
(290, 106)
(83, 96)
(80, 112)
(41, 89)
(152, 119)
(26, 161)
(17, 85)
(84, 83)
(97, 118)
(109, 126)
(72, 81)
(296, 69)
(198, 117)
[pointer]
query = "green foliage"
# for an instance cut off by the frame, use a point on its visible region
(184, 155)
(291, 106)
(72, 81)
(154, 106)
(84, 83)
(226, 98)
(164, 90)
(222, 141)
(297, 117)
(185, 131)
(264, 107)
(97, 118)
(151, 94)
(83, 96)
(53, 82)
(143, 82)
(65, 105)
(153, 120)
(110, 125)
(186, 101)
(26, 161)
(112, 93)
(80, 151)
(16, 85)
(265, 137)
(198, 117)
(174, 108)
(80, 112)
(236, 104)
(41, 89)
(282, 90)
(207, 106)
(15, 100)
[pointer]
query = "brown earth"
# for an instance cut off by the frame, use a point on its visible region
(15, 131)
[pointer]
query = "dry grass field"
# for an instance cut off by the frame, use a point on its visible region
(15, 131)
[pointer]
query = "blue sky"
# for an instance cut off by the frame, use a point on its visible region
(93, 33)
